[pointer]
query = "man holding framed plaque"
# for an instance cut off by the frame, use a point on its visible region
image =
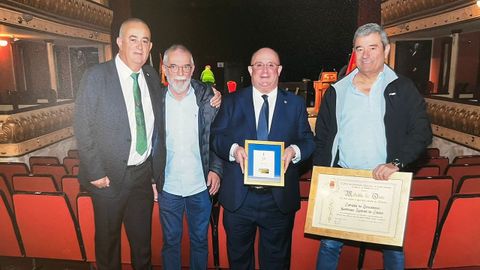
(372, 119)
(260, 187)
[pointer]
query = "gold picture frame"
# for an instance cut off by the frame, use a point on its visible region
(351, 205)
(264, 166)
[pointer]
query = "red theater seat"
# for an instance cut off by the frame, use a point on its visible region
(7, 190)
(439, 186)
(441, 162)
(468, 159)
(428, 170)
(458, 237)
(469, 184)
(47, 226)
(43, 160)
(69, 162)
(73, 153)
(34, 183)
(304, 188)
(432, 152)
(8, 169)
(57, 171)
(87, 226)
(419, 236)
(10, 244)
(71, 187)
(304, 247)
(457, 171)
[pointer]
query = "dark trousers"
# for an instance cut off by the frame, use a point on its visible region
(133, 206)
(259, 210)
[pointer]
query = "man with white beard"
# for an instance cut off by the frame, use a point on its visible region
(192, 170)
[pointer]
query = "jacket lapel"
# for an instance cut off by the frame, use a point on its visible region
(115, 95)
(280, 109)
(246, 105)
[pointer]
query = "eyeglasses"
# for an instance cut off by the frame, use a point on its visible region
(260, 65)
(175, 68)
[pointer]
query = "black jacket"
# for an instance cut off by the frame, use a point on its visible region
(407, 126)
(210, 161)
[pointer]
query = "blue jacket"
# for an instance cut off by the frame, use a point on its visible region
(235, 123)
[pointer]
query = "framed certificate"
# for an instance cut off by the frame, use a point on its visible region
(350, 204)
(264, 166)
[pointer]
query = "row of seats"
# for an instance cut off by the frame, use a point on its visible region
(44, 226)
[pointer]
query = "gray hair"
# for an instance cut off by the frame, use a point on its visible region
(371, 28)
(130, 20)
(176, 47)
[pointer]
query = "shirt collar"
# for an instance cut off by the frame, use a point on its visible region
(258, 94)
(123, 70)
(189, 91)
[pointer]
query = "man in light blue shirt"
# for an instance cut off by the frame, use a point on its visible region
(372, 119)
(192, 171)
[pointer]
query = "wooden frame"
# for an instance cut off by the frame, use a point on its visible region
(350, 204)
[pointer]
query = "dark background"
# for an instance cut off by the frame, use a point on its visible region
(309, 35)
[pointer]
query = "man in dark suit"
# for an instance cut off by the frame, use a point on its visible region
(243, 116)
(114, 126)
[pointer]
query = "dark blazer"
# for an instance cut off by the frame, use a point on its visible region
(101, 125)
(210, 161)
(235, 123)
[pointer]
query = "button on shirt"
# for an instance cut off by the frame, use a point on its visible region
(183, 171)
(362, 141)
(126, 82)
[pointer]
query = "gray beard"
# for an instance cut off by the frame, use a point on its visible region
(180, 89)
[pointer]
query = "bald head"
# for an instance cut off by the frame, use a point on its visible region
(126, 23)
(265, 70)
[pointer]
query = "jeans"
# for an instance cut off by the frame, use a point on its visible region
(329, 254)
(197, 208)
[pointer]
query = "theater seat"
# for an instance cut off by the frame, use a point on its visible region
(469, 184)
(467, 159)
(47, 226)
(11, 243)
(34, 183)
(419, 236)
(43, 160)
(71, 187)
(456, 244)
(457, 171)
(8, 169)
(439, 186)
(87, 225)
(69, 162)
(7, 190)
(57, 171)
(428, 170)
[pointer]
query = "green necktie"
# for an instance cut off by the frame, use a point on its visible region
(141, 146)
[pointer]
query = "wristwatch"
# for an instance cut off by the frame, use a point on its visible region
(397, 163)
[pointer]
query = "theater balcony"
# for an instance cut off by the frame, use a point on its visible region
(45, 46)
(436, 44)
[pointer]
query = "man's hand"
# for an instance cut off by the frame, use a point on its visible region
(216, 100)
(213, 181)
(384, 171)
(288, 155)
(240, 156)
(101, 183)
